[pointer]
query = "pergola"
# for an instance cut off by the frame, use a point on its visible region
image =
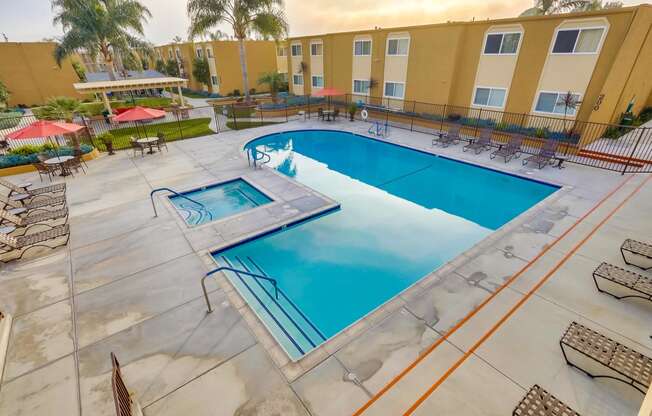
(103, 87)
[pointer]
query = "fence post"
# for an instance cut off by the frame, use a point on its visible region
(179, 124)
(261, 115)
(631, 155)
(286, 110)
(309, 110)
(235, 119)
(443, 116)
(477, 122)
(414, 107)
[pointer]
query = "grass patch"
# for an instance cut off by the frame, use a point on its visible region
(191, 128)
(143, 102)
(241, 125)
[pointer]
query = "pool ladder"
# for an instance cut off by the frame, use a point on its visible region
(254, 155)
(202, 210)
(310, 336)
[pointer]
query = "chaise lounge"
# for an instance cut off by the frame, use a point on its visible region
(538, 402)
(635, 284)
(21, 244)
(546, 154)
(636, 248)
(483, 143)
(511, 150)
(53, 201)
(445, 139)
(24, 188)
(14, 217)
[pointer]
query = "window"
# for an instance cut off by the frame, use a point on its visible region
(281, 51)
(394, 89)
(199, 53)
(213, 80)
(578, 41)
(170, 53)
(178, 54)
(361, 86)
(362, 48)
(318, 81)
(296, 50)
(297, 79)
(209, 53)
(316, 49)
(489, 97)
(398, 47)
(553, 102)
(501, 43)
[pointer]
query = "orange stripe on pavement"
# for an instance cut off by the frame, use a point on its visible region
(520, 303)
(480, 306)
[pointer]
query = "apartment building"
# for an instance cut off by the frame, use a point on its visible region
(520, 65)
(224, 62)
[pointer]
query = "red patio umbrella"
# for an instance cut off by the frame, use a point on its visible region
(44, 128)
(140, 114)
(328, 92)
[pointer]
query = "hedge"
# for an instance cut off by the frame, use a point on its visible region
(10, 160)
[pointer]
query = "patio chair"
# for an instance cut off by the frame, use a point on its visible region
(320, 113)
(137, 147)
(161, 141)
(511, 150)
(445, 139)
(42, 157)
(80, 155)
(19, 245)
(538, 402)
(31, 219)
(621, 283)
(24, 188)
(637, 249)
(73, 164)
(44, 170)
(336, 113)
(546, 154)
(49, 202)
(598, 356)
(483, 143)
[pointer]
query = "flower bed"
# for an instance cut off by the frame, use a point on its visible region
(18, 157)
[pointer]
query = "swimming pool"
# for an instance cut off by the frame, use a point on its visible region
(214, 202)
(403, 214)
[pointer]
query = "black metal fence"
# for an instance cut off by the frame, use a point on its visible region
(625, 149)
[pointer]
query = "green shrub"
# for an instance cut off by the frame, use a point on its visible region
(29, 149)
(105, 137)
(612, 132)
(10, 160)
(645, 115)
(541, 133)
(10, 119)
(93, 108)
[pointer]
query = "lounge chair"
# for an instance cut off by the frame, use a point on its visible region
(54, 201)
(483, 143)
(511, 150)
(24, 188)
(546, 154)
(14, 216)
(635, 284)
(161, 142)
(21, 244)
(639, 249)
(445, 139)
(601, 357)
(538, 402)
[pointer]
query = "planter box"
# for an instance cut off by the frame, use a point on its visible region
(17, 170)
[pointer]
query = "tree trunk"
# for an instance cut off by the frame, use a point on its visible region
(108, 62)
(243, 67)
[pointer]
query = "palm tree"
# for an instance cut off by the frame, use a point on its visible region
(274, 81)
(62, 108)
(598, 5)
(106, 27)
(545, 7)
(265, 17)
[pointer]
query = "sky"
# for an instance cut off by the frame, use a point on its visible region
(31, 20)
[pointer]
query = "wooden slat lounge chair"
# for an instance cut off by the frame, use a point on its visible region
(636, 248)
(545, 156)
(640, 285)
(483, 143)
(24, 188)
(594, 350)
(445, 139)
(19, 245)
(54, 201)
(15, 218)
(538, 402)
(511, 150)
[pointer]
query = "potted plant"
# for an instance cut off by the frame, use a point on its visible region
(353, 107)
(107, 139)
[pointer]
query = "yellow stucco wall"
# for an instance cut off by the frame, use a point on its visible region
(31, 74)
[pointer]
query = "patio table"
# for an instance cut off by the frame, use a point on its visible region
(149, 142)
(328, 114)
(60, 161)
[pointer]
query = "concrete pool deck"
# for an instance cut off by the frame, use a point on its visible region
(129, 283)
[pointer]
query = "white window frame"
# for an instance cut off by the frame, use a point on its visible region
(559, 93)
(361, 93)
(303, 80)
(317, 42)
(363, 40)
(312, 81)
(391, 96)
(209, 53)
(292, 49)
(199, 53)
(170, 54)
(214, 80)
(475, 92)
(397, 39)
(514, 32)
(564, 29)
(284, 49)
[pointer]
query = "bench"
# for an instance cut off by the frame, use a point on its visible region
(636, 248)
(538, 402)
(637, 283)
(620, 362)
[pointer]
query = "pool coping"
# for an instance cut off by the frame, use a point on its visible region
(292, 369)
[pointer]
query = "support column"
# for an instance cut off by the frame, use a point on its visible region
(107, 105)
(181, 102)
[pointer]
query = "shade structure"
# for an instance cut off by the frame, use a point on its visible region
(44, 128)
(140, 114)
(328, 92)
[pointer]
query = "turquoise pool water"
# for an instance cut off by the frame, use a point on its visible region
(403, 214)
(218, 201)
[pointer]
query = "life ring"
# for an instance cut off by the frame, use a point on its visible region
(364, 114)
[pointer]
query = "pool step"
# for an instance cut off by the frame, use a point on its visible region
(289, 325)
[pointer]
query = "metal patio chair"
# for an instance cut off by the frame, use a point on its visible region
(546, 154)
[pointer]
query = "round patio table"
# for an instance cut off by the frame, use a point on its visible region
(60, 161)
(150, 142)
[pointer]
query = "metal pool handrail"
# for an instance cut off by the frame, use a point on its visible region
(231, 269)
(151, 197)
(254, 151)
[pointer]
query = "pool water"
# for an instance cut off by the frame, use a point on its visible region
(403, 214)
(218, 201)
